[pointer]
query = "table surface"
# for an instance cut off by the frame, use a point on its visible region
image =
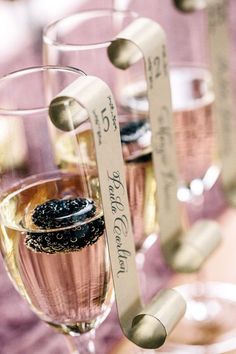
(218, 268)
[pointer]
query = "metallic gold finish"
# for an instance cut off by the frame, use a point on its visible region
(123, 53)
(148, 326)
(196, 247)
(158, 319)
(223, 107)
(190, 5)
(65, 112)
(147, 332)
(185, 252)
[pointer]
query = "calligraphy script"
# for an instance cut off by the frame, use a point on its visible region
(156, 67)
(217, 15)
(120, 221)
(223, 87)
(163, 144)
(217, 21)
(105, 118)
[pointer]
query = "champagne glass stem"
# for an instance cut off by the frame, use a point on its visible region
(82, 344)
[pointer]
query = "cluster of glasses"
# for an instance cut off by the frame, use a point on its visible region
(53, 237)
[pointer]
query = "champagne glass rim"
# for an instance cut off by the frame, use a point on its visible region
(86, 14)
(28, 71)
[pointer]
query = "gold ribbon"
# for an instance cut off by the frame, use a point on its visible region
(89, 97)
(145, 39)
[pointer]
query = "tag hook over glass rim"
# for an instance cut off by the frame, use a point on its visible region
(184, 251)
(190, 5)
(146, 326)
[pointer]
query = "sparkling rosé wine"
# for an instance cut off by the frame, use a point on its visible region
(71, 291)
(195, 143)
(192, 98)
(141, 186)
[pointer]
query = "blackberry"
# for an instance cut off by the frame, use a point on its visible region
(61, 213)
(132, 131)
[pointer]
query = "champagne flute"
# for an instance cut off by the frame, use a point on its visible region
(206, 326)
(75, 41)
(141, 185)
(52, 229)
(192, 96)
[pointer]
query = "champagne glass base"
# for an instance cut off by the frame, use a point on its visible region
(197, 187)
(209, 322)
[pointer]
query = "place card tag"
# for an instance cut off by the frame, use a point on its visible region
(67, 111)
(190, 5)
(219, 46)
(223, 109)
(144, 38)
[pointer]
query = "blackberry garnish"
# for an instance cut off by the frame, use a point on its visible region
(132, 131)
(63, 212)
(57, 213)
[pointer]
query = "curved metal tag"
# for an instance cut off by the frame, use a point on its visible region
(219, 46)
(190, 5)
(89, 97)
(145, 39)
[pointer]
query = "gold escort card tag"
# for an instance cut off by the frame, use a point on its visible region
(185, 252)
(223, 106)
(90, 98)
(219, 50)
(190, 5)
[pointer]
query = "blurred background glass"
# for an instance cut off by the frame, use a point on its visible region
(192, 94)
(207, 327)
(21, 23)
(69, 290)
